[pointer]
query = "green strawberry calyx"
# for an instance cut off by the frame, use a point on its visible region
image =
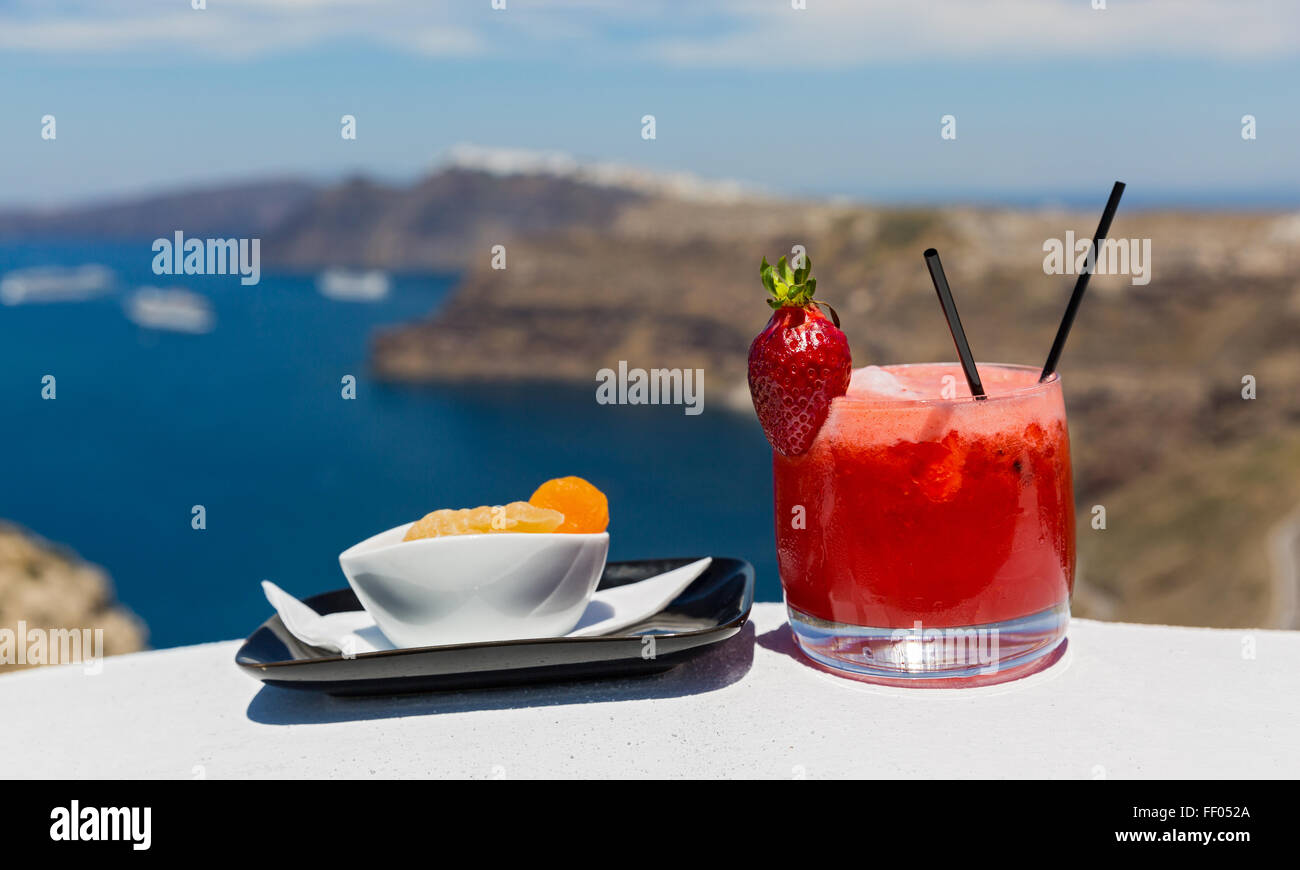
(792, 288)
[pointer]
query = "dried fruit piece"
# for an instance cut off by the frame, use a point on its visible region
(518, 516)
(585, 508)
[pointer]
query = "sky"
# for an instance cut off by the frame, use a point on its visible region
(1053, 99)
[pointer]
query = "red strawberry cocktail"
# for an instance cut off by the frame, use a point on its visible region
(925, 536)
(930, 537)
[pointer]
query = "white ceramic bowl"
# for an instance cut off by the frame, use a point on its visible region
(471, 588)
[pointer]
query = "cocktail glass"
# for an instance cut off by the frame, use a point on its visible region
(927, 537)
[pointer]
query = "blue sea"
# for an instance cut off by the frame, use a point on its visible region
(249, 422)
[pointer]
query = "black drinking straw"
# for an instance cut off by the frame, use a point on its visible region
(954, 322)
(1063, 332)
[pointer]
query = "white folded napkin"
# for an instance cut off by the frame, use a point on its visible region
(354, 631)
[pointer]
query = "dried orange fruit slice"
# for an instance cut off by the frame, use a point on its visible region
(518, 516)
(585, 508)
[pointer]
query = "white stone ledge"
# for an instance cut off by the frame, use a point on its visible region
(1126, 701)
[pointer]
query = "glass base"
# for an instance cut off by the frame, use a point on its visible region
(921, 656)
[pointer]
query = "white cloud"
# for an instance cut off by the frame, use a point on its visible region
(832, 33)
(727, 33)
(233, 28)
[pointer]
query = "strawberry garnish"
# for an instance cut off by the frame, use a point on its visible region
(799, 363)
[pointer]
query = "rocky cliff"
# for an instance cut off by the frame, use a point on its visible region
(49, 588)
(247, 209)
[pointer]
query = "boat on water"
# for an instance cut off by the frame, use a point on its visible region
(352, 286)
(55, 284)
(171, 309)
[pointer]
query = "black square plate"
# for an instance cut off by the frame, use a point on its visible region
(710, 610)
